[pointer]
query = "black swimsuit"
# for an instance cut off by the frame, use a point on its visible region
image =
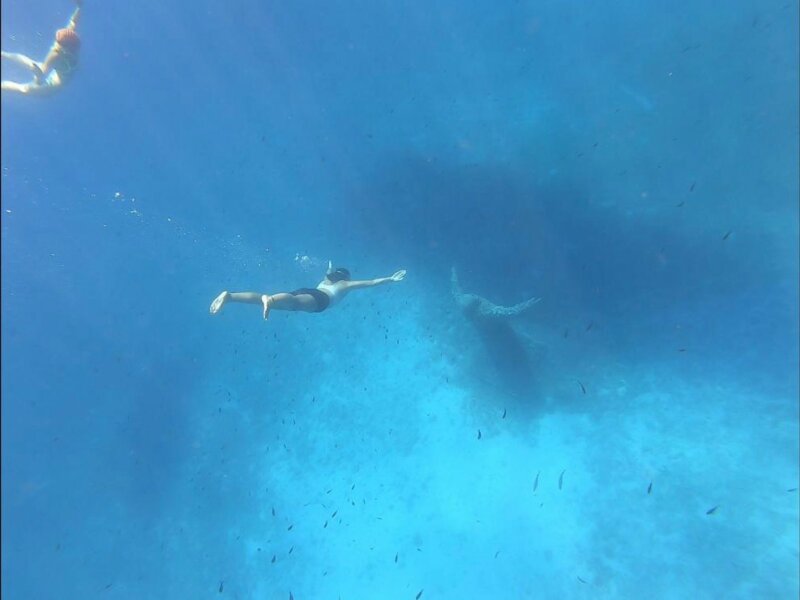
(323, 300)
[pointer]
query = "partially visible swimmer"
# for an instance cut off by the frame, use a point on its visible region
(332, 289)
(57, 68)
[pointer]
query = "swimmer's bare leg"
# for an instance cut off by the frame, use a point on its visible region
(24, 61)
(268, 302)
(224, 297)
(284, 301)
(22, 88)
(12, 86)
(32, 88)
(265, 303)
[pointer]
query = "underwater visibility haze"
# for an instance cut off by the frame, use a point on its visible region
(585, 385)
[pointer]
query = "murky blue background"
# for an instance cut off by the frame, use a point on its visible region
(634, 164)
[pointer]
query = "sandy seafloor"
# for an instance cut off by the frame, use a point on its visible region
(382, 450)
(362, 475)
(424, 504)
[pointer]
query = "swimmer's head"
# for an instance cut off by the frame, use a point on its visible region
(339, 274)
(68, 39)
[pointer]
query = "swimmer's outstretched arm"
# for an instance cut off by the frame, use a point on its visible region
(398, 276)
(73, 20)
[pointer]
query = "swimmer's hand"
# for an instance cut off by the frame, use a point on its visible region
(330, 267)
(399, 276)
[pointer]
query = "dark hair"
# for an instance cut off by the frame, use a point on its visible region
(338, 275)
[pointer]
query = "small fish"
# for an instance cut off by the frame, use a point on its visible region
(650, 487)
(691, 187)
(395, 556)
(273, 511)
(792, 490)
(681, 349)
(290, 549)
(583, 388)
(504, 414)
(290, 596)
(561, 479)
(273, 558)
(566, 333)
(290, 528)
(334, 513)
(496, 553)
(711, 510)
(221, 586)
(581, 580)
(479, 434)
(679, 204)
(590, 325)
(326, 524)
(329, 491)
(726, 236)
(536, 481)
(108, 587)
(353, 486)
(419, 595)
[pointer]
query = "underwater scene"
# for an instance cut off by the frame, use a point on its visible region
(392, 300)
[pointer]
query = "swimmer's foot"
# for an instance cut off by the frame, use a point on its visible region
(218, 302)
(266, 301)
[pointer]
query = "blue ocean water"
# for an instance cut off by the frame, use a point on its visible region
(632, 435)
